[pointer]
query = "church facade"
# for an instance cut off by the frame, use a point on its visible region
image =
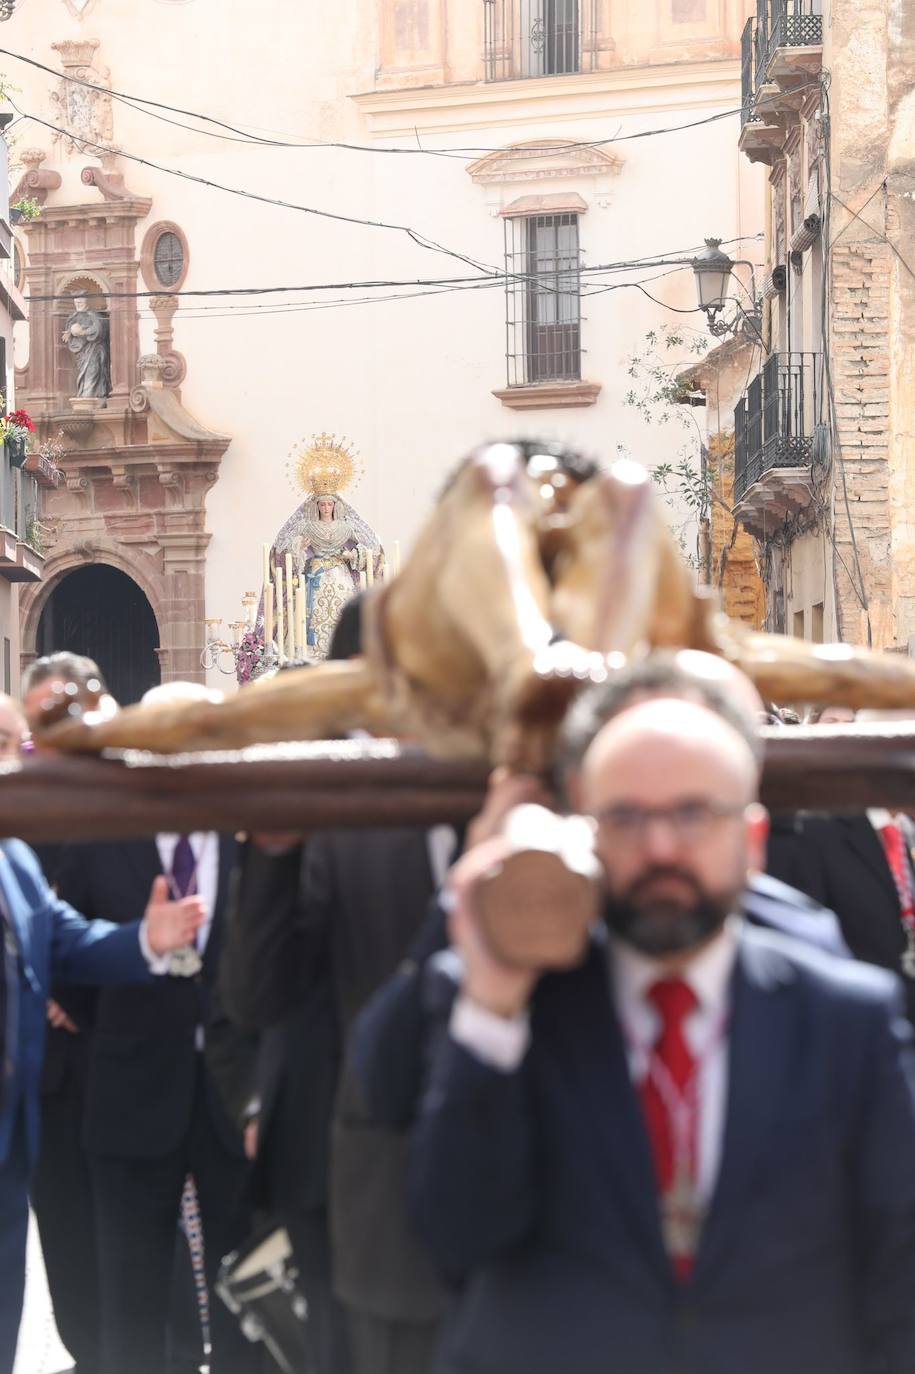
(412, 224)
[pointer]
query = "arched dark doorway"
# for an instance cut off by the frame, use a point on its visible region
(101, 612)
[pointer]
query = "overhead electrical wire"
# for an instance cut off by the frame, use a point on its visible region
(235, 133)
(415, 235)
(498, 278)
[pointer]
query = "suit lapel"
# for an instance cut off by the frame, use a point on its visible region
(142, 859)
(14, 910)
(761, 1040)
(617, 1121)
(864, 840)
(226, 861)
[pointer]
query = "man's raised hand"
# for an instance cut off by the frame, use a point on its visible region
(171, 925)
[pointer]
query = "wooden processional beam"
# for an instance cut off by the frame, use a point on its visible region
(377, 783)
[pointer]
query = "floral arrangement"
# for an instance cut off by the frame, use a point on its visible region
(16, 425)
(28, 208)
(49, 453)
(250, 659)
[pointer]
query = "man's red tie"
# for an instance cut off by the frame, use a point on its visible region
(894, 848)
(674, 1064)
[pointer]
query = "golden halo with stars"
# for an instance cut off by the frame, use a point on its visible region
(323, 465)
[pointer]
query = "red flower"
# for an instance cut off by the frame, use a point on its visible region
(21, 418)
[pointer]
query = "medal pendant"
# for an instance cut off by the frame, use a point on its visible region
(908, 957)
(681, 1217)
(184, 962)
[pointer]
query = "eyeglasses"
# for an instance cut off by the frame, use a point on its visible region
(689, 821)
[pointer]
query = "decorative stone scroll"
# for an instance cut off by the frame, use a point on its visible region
(85, 115)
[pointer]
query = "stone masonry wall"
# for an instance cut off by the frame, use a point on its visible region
(861, 377)
(742, 591)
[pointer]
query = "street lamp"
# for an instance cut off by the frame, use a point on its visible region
(713, 270)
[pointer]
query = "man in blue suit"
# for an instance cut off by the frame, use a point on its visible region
(695, 1152)
(43, 937)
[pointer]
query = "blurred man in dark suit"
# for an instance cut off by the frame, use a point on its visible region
(43, 936)
(861, 865)
(62, 1190)
(696, 1149)
(313, 933)
(153, 1114)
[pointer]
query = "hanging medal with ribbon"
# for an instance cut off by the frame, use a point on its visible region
(182, 882)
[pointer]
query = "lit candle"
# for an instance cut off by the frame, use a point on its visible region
(297, 627)
(268, 618)
(370, 567)
(266, 564)
(396, 557)
(290, 608)
(280, 618)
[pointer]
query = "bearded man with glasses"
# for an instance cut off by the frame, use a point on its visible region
(695, 1151)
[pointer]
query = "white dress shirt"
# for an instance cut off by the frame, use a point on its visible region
(205, 845)
(502, 1042)
(441, 846)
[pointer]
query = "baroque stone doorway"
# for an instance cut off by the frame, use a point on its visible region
(100, 611)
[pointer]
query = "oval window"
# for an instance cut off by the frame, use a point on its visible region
(168, 258)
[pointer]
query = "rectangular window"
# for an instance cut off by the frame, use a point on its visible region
(816, 627)
(798, 630)
(525, 38)
(543, 294)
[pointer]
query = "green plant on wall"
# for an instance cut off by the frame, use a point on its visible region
(28, 208)
(662, 396)
(35, 536)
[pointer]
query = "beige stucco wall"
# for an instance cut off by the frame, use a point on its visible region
(408, 382)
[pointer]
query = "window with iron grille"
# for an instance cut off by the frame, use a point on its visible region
(525, 38)
(168, 258)
(543, 299)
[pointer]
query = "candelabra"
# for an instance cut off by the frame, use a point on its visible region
(219, 653)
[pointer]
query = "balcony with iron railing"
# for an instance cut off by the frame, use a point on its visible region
(21, 559)
(781, 55)
(776, 427)
(536, 38)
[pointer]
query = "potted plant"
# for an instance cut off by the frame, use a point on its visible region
(15, 429)
(24, 211)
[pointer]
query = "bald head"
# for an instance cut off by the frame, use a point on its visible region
(672, 787)
(671, 736)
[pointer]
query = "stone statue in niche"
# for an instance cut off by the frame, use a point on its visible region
(87, 337)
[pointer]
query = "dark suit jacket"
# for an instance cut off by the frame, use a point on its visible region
(839, 860)
(321, 936)
(66, 1056)
(537, 1188)
(387, 1044)
(51, 940)
(274, 979)
(143, 1071)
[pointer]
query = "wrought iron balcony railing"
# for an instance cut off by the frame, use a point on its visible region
(19, 500)
(778, 24)
(747, 67)
(774, 423)
(529, 38)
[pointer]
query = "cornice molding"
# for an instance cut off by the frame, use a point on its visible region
(621, 91)
(549, 395)
(542, 159)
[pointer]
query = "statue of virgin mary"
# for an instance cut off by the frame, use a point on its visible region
(331, 550)
(330, 545)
